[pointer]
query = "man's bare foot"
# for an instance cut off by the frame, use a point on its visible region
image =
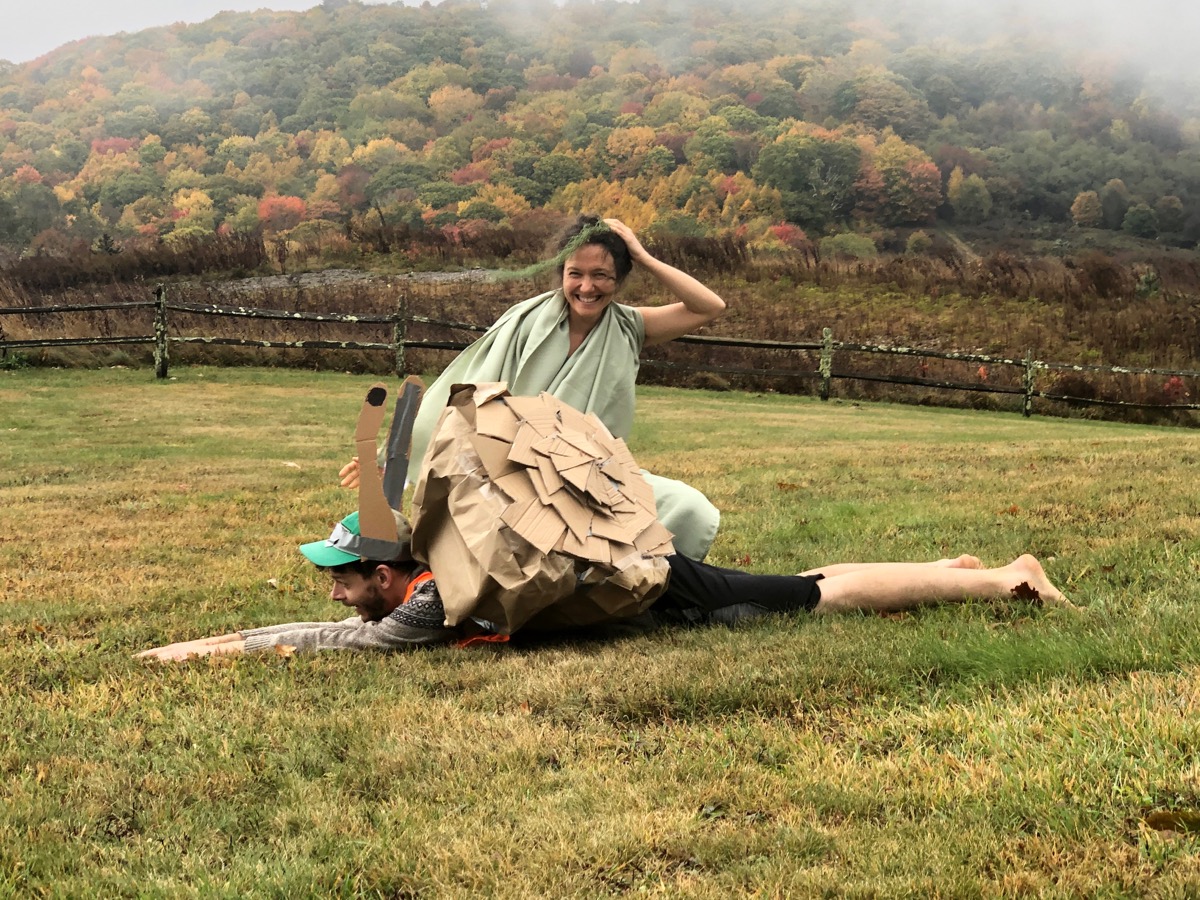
(1029, 574)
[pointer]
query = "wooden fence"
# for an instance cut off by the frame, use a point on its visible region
(825, 372)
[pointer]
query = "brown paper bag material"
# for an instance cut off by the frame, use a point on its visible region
(539, 545)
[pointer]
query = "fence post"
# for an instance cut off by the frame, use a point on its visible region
(161, 359)
(400, 331)
(1030, 374)
(826, 367)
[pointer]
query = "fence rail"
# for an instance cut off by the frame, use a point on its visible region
(825, 372)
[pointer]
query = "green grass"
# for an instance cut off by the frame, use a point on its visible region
(978, 751)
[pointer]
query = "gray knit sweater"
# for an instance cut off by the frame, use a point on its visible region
(418, 622)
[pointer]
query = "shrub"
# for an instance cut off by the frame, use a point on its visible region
(13, 361)
(1149, 283)
(848, 246)
(676, 224)
(918, 244)
(1140, 221)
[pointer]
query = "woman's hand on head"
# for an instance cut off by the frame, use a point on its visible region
(625, 233)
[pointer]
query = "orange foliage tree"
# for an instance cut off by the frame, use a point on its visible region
(278, 213)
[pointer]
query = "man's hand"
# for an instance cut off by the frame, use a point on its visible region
(212, 646)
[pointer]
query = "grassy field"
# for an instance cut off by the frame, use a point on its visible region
(976, 751)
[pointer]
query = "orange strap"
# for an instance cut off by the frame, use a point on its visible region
(470, 641)
(412, 585)
(477, 639)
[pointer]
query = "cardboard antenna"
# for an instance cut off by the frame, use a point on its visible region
(378, 537)
(399, 445)
(376, 524)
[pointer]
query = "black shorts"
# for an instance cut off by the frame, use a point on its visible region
(700, 594)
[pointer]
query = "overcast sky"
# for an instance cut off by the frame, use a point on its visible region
(38, 26)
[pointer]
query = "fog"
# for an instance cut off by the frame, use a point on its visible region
(42, 25)
(1158, 36)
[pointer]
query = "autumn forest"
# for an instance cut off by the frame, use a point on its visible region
(787, 127)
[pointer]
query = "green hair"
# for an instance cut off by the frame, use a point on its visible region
(585, 230)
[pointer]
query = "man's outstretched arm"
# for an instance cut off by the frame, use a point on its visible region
(402, 630)
(220, 645)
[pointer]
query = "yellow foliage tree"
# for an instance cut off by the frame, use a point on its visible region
(451, 104)
(183, 177)
(504, 198)
(668, 192)
(629, 143)
(194, 210)
(684, 110)
(261, 169)
(604, 198)
(634, 59)
(743, 78)
(379, 153)
(143, 214)
(329, 149)
(327, 189)
(746, 201)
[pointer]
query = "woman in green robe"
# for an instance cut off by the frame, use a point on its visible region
(580, 345)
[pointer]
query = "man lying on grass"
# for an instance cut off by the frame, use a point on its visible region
(397, 604)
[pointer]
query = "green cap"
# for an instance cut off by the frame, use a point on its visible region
(346, 545)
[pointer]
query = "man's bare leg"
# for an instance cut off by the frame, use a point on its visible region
(890, 587)
(959, 562)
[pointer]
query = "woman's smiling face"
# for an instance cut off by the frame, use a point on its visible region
(589, 283)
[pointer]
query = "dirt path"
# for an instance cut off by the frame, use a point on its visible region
(962, 247)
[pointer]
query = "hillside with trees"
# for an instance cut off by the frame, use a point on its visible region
(351, 128)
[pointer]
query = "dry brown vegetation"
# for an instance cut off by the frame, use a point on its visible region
(1091, 309)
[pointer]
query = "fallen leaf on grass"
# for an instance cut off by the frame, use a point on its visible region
(711, 811)
(1011, 511)
(285, 651)
(1026, 591)
(1181, 820)
(526, 708)
(273, 582)
(787, 486)
(292, 465)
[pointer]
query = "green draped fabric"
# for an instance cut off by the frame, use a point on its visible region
(529, 348)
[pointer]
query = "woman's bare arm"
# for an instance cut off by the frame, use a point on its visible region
(698, 305)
